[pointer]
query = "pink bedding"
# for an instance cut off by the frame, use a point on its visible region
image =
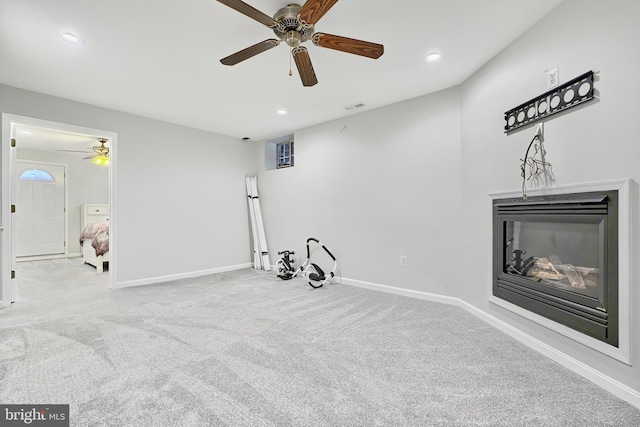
(98, 233)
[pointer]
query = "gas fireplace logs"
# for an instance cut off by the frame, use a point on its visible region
(553, 269)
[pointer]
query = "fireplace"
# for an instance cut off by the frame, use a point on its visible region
(557, 256)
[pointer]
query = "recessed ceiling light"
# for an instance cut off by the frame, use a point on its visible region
(27, 132)
(432, 57)
(71, 38)
(282, 111)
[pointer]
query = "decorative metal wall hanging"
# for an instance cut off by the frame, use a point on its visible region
(561, 98)
(538, 168)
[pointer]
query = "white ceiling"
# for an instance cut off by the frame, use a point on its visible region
(160, 58)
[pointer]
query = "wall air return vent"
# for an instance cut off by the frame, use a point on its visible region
(354, 106)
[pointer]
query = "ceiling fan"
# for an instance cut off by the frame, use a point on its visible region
(294, 24)
(100, 153)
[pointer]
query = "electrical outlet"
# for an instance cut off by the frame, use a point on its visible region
(552, 78)
(403, 260)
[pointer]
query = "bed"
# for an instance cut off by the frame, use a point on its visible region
(94, 238)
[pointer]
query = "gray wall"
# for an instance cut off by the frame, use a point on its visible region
(376, 189)
(598, 142)
(386, 185)
(86, 183)
(181, 195)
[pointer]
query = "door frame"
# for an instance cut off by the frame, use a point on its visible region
(14, 183)
(7, 168)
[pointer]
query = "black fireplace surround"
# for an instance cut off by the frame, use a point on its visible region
(557, 256)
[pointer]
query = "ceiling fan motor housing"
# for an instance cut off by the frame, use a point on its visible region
(290, 29)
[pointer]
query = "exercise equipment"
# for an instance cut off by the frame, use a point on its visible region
(309, 270)
(284, 266)
(313, 272)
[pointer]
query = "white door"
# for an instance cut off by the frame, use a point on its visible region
(39, 209)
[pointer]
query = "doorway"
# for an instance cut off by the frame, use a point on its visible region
(40, 209)
(15, 131)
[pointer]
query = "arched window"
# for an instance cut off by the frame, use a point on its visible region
(36, 175)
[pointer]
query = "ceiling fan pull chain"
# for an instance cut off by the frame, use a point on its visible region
(290, 56)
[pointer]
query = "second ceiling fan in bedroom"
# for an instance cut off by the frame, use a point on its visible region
(99, 153)
(294, 24)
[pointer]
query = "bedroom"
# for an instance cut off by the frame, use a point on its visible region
(368, 191)
(84, 185)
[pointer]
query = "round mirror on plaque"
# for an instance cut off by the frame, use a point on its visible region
(569, 95)
(542, 107)
(584, 88)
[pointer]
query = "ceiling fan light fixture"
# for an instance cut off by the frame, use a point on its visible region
(101, 160)
(293, 38)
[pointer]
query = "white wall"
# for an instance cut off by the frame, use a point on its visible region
(376, 190)
(597, 142)
(181, 196)
(386, 185)
(86, 183)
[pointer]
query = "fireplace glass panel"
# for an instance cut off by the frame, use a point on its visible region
(561, 255)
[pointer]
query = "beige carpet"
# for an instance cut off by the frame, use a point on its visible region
(247, 349)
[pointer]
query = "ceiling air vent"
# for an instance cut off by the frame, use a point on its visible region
(354, 106)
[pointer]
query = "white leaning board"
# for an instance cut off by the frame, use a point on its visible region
(257, 262)
(261, 248)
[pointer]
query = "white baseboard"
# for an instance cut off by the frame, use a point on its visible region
(160, 279)
(404, 292)
(613, 386)
(46, 257)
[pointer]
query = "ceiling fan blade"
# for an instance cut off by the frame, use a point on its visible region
(345, 44)
(305, 68)
(88, 157)
(250, 51)
(251, 12)
(313, 10)
(75, 151)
